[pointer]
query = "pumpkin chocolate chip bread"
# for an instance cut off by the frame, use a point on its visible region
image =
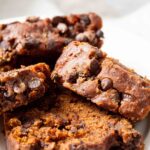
(44, 38)
(87, 71)
(69, 123)
(21, 86)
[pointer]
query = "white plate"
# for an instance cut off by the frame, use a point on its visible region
(131, 50)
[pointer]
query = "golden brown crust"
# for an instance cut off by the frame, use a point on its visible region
(69, 124)
(87, 71)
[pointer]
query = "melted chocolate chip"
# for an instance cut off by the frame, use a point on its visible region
(62, 27)
(52, 44)
(26, 121)
(57, 20)
(99, 54)
(27, 124)
(78, 28)
(12, 41)
(94, 67)
(85, 20)
(81, 37)
(34, 83)
(30, 43)
(32, 19)
(3, 26)
(106, 84)
(7, 94)
(100, 33)
(73, 77)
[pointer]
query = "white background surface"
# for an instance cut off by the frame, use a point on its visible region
(126, 27)
(130, 15)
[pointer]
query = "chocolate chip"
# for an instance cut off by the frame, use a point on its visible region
(100, 33)
(96, 54)
(32, 19)
(26, 120)
(78, 27)
(72, 33)
(57, 20)
(81, 37)
(34, 83)
(8, 91)
(56, 77)
(106, 84)
(31, 43)
(73, 77)
(51, 44)
(62, 27)
(94, 67)
(19, 87)
(85, 20)
(99, 54)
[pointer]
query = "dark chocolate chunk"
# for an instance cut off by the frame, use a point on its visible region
(106, 84)
(100, 33)
(85, 20)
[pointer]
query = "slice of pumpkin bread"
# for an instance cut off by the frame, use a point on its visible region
(71, 123)
(87, 70)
